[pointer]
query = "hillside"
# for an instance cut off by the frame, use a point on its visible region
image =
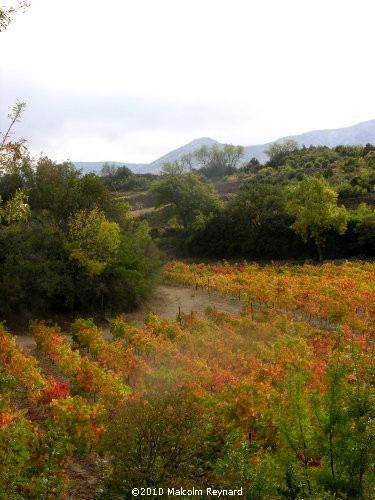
(361, 133)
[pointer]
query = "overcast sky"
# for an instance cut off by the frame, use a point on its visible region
(130, 80)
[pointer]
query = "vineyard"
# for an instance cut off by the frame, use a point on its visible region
(278, 400)
(334, 294)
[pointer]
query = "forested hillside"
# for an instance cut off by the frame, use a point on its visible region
(304, 202)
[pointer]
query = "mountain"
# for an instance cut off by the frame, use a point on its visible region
(96, 166)
(177, 154)
(362, 133)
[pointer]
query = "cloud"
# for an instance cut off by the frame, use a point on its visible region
(132, 80)
(123, 124)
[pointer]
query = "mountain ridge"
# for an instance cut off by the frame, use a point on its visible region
(360, 133)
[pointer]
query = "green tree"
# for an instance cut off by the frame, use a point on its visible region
(172, 168)
(218, 161)
(62, 190)
(259, 222)
(35, 275)
(108, 170)
(53, 187)
(188, 197)
(278, 150)
(132, 276)
(314, 204)
(364, 218)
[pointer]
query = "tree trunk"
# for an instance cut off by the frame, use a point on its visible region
(320, 251)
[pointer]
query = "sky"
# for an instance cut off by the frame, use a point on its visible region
(131, 80)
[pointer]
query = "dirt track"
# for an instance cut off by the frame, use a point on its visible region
(168, 299)
(166, 302)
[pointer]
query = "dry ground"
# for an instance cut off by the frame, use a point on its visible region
(166, 302)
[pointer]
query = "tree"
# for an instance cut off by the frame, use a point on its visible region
(218, 161)
(108, 170)
(111, 171)
(259, 222)
(188, 196)
(314, 204)
(11, 153)
(278, 150)
(35, 274)
(252, 166)
(364, 218)
(5, 14)
(169, 168)
(54, 187)
(15, 209)
(95, 240)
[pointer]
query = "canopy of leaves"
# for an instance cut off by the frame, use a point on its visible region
(73, 247)
(277, 151)
(216, 161)
(314, 204)
(95, 240)
(188, 197)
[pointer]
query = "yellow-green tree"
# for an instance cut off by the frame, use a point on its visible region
(95, 240)
(314, 204)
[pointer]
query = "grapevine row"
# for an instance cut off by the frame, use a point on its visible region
(337, 294)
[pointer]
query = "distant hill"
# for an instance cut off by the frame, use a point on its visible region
(177, 154)
(96, 166)
(362, 133)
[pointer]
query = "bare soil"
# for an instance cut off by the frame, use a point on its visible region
(167, 302)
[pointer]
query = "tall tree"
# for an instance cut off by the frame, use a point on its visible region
(218, 161)
(188, 197)
(314, 204)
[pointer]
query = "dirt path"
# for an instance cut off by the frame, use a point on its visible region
(166, 302)
(168, 299)
(84, 475)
